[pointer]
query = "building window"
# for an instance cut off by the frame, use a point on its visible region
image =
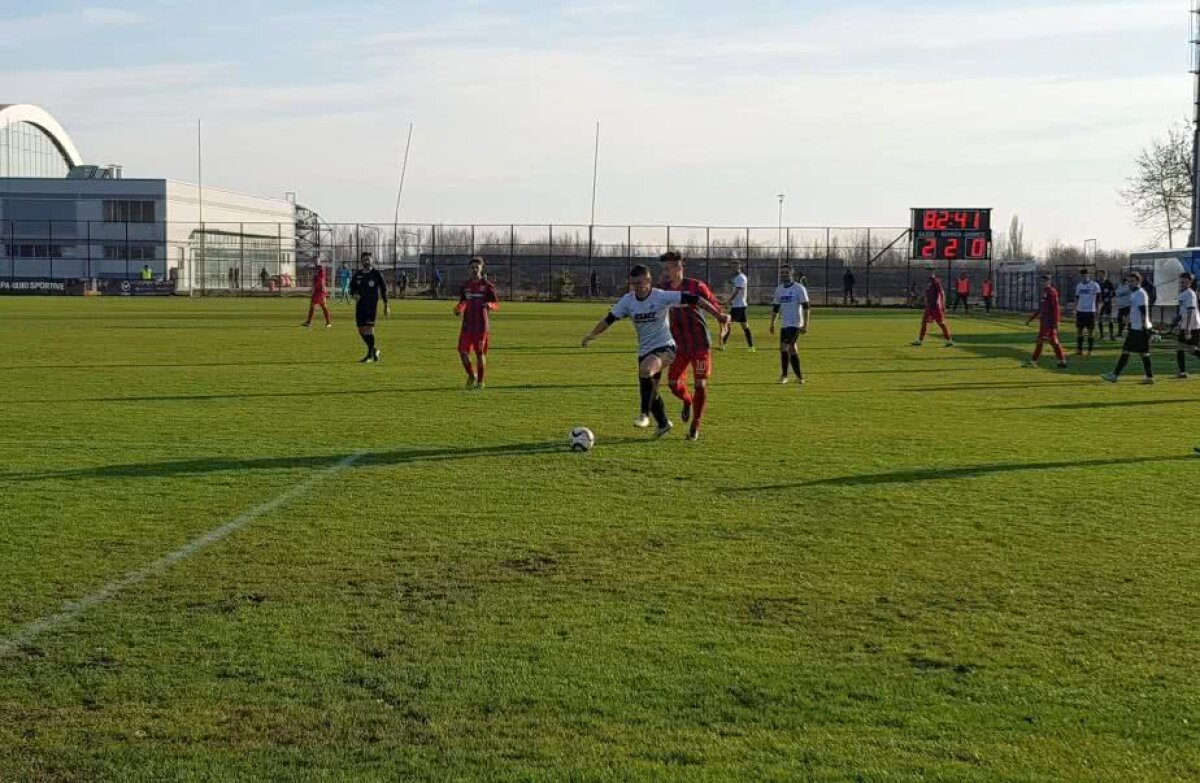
(33, 251)
(130, 252)
(128, 211)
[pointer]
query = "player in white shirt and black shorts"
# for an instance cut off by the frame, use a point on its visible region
(1138, 339)
(737, 307)
(790, 302)
(649, 307)
(1188, 330)
(1087, 307)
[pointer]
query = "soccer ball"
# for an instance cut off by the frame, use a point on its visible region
(582, 439)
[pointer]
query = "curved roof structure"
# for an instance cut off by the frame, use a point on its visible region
(13, 113)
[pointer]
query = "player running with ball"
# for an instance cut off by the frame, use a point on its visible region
(476, 301)
(791, 299)
(649, 307)
(692, 341)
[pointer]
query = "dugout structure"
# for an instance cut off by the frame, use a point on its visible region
(1163, 268)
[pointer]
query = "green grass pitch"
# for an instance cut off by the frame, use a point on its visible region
(926, 564)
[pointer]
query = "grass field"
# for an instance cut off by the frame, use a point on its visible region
(926, 564)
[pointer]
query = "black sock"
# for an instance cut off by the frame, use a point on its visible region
(1091, 343)
(659, 411)
(783, 363)
(1181, 360)
(1124, 360)
(370, 340)
(1079, 343)
(796, 365)
(749, 337)
(646, 386)
(1147, 366)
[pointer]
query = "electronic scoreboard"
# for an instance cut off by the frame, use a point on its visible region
(952, 234)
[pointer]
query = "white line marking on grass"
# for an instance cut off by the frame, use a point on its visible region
(72, 609)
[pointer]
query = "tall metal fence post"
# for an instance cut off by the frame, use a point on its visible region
(628, 250)
(870, 255)
(512, 250)
(828, 239)
(432, 261)
(749, 272)
(588, 279)
(126, 249)
(89, 249)
(550, 261)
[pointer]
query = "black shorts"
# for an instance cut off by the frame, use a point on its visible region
(365, 311)
(1137, 341)
(1106, 309)
(789, 335)
(1123, 314)
(1189, 339)
(738, 315)
(1085, 320)
(666, 353)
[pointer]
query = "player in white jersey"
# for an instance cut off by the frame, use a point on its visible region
(1087, 308)
(1138, 339)
(649, 307)
(1188, 329)
(790, 303)
(737, 307)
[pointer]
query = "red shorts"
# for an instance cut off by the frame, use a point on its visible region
(701, 364)
(473, 342)
(319, 297)
(935, 316)
(1048, 333)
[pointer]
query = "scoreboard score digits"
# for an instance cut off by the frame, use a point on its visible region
(952, 234)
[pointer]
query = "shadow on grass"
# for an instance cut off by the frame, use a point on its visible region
(1087, 406)
(208, 465)
(918, 475)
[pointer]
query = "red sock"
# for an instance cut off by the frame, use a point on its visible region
(701, 401)
(924, 328)
(311, 307)
(482, 365)
(466, 362)
(945, 331)
(1037, 350)
(1058, 351)
(680, 391)
(324, 310)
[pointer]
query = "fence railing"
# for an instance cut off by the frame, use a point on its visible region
(541, 262)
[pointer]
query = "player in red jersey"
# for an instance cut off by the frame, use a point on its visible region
(935, 310)
(693, 344)
(320, 293)
(1049, 314)
(476, 301)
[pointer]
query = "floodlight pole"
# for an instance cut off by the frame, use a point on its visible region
(779, 236)
(1194, 234)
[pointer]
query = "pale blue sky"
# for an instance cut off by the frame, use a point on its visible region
(857, 111)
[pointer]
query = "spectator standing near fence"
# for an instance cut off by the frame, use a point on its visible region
(848, 287)
(1124, 294)
(737, 308)
(343, 283)
(1049, 313)
(1138, 339)
(962, 291)
(989, 292)
(1108, 294)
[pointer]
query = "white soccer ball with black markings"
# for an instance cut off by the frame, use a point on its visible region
(582, 439)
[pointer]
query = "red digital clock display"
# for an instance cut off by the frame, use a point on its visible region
(952, 234)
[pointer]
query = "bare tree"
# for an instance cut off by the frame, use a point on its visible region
(1012, 245)
(1160, 191)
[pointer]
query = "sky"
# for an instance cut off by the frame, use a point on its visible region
(708, 109)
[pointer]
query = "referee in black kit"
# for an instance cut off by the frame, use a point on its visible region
(368, 287)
